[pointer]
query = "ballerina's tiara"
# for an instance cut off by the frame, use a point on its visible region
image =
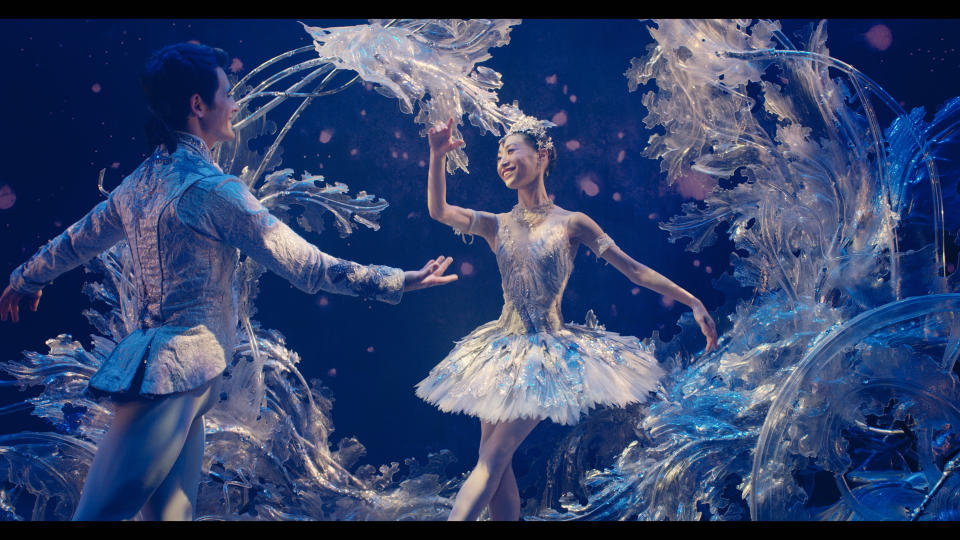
(535, 128)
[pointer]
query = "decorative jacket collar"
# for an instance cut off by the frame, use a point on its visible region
(194, 144)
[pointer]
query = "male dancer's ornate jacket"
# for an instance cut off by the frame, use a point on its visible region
(184, 221)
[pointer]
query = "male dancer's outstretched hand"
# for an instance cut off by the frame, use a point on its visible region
(10, 303)
(430, 275)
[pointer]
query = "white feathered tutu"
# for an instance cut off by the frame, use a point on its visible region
(528, 364)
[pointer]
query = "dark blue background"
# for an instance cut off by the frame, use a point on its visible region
(72, 106)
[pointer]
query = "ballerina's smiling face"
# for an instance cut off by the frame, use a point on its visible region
(518, 162)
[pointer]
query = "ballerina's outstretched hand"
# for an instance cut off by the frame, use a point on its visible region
(707, 326)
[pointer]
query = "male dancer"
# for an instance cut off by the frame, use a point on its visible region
(184, 221)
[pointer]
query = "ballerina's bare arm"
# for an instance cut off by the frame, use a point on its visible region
(582, 228)
(464, 220)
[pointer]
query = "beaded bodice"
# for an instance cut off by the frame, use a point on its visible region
(535, 259)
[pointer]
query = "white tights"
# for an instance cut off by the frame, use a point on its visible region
(149, 460)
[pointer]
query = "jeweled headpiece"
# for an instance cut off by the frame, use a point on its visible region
(535, 128)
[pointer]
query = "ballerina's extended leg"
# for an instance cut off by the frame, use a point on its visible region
(505, 503)
(496, 454)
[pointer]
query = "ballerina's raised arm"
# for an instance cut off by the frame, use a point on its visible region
(464, 220)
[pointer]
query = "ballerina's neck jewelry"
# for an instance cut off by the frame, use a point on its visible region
(532, 216)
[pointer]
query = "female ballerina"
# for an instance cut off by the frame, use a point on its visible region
(528, 365)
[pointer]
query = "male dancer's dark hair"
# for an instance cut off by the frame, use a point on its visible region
(170, 77)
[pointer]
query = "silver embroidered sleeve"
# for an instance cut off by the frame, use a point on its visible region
(231, 213)
(96, 232)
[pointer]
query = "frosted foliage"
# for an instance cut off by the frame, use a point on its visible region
(832, 395)
(429, 65)
(814, 196)
(280, 192)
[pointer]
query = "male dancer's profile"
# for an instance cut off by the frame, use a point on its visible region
(185, 222)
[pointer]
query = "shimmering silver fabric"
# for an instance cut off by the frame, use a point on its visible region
(184, 221)
(528, 363)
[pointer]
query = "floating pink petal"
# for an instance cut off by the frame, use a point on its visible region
(572, 145)
(552, 79)
(236, 65)
(326, 135)
(95, 88)
(560, 118)
(466, 269)
(7, 197)
(588, 185)
(879, 37)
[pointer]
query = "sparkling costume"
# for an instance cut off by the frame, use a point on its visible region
(528, 363)
(184, 221)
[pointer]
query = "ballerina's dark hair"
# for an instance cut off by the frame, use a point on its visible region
(169, 78)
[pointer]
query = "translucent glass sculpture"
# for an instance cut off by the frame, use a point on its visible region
(833, 387)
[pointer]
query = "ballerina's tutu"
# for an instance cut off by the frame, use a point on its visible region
(528, 363)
